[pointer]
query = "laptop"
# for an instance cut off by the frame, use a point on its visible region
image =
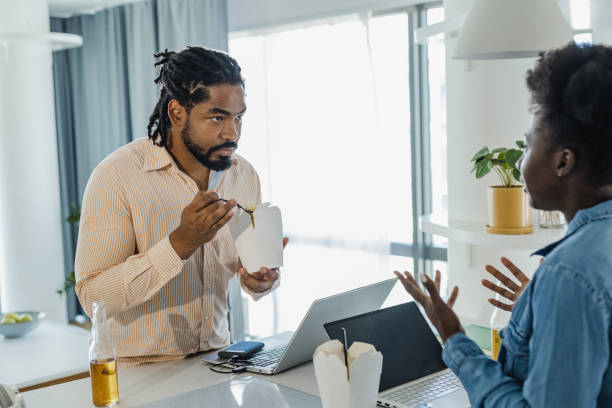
(289, 349)
(413, 373)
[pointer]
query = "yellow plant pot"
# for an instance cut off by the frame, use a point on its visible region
(509, 211)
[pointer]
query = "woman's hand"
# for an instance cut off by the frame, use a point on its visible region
(440, 313)
(510, 290)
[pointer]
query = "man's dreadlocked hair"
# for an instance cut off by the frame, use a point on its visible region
(185, 76)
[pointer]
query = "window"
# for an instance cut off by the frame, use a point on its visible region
(333, 128)
(436, 63)
(580, 12)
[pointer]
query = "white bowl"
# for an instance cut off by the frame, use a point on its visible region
(12, 330)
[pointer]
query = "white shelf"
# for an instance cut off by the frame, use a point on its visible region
(438, 32)
(474, 233)
(57, 41)
(450, 28)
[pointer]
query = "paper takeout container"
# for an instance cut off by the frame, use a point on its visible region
(356, 389)
(261, 246)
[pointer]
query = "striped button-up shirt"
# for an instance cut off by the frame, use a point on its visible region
(159, 306)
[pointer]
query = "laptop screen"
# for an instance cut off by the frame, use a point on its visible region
(409, 348)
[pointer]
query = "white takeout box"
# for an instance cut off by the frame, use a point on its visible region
(261, 246)
(335, 388)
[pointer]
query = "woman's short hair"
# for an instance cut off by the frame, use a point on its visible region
(571, 89)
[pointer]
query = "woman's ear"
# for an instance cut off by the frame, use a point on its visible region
(565, 162)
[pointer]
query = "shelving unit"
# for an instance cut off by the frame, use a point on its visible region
(439, 31)
(474, 233)
(451, 27)
(55, 41)
(469, 239)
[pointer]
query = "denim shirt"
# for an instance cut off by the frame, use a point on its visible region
(556, 348)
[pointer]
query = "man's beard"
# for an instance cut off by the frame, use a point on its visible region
(205, 157)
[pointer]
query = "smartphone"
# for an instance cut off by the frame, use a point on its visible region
(242, 349)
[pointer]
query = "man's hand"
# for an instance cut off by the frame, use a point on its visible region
(263, 279)
(200, 222)
(440, 313)
(511, 290)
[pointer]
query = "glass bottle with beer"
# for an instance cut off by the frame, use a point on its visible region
(499, 320)
(102, 361)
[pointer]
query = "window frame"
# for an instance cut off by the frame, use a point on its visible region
(421, 250)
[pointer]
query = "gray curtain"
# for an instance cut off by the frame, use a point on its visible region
(104, 90)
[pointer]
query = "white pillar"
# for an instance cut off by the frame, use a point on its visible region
(487, 104)
(31, 257)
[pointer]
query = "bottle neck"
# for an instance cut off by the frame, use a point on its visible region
(499, 318)
(99, 329)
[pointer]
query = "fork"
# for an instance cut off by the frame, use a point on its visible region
(239, 206)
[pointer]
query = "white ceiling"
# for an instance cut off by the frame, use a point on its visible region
(67, 8)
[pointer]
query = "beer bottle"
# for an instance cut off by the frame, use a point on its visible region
(102, 361)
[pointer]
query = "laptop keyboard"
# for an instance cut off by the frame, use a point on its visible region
(415, 395)
(267, 357)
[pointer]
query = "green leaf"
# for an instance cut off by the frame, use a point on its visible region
(517, 174)
(520, 144)
(75, 214)
(513, 156)
(73, 218)
(501, 161)
(68, 283)
(499, 149)
(479, 162)
(484, 169)
(482, 152)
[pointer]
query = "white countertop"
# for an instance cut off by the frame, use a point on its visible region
(153, 382)
(50, 352)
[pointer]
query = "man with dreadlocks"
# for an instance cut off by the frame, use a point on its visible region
(151, 242)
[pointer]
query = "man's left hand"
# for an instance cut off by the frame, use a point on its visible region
(262, 280)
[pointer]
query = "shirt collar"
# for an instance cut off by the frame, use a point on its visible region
(157, 157)
(583, 217)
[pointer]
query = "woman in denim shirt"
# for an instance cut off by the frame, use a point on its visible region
(556, 349)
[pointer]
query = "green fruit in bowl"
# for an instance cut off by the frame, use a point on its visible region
(13, 327)
(12, 315)
(26, 317)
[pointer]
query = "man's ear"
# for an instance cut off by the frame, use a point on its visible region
(176, 113)
(565, 162)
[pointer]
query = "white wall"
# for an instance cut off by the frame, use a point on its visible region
(487, 104)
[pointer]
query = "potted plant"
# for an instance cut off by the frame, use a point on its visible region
(509, 210)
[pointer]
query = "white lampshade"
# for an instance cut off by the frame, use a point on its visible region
(500, 29)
